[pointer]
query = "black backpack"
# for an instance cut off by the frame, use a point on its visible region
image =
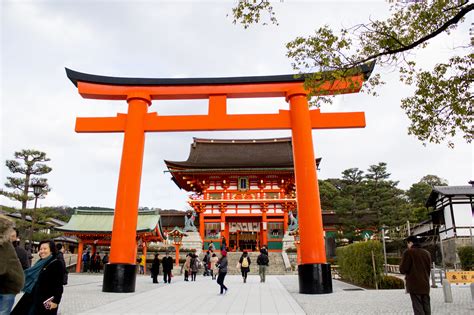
(264, 259)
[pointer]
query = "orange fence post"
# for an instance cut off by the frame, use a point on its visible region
(144, 254)
(177, 254)
(80, 249)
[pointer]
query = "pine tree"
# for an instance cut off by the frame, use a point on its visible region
(30, 165)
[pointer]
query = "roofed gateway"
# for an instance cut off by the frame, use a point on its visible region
(94, 228)
(243, 190)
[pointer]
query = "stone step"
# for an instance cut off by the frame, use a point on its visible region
(276, 264)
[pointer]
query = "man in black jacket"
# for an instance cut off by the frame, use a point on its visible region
(20, 251)
(167, 263)
(416, 266)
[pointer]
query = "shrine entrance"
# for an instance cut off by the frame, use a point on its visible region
(244, 236)
(314, 273)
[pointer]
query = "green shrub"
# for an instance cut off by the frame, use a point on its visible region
(391, 282)
(394, 260)
(466, 255)
(355, 262)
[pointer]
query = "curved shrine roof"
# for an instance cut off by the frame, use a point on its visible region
(101, 221)
(232, 154)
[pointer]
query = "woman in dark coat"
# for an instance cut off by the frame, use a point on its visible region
(222, 263)
(43, 285)
(155, 268)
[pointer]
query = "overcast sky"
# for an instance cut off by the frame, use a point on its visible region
(185, 39)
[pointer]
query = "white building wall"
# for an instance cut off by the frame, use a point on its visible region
(463, 219)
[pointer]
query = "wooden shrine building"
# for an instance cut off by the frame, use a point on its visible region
(243, 190)
(94, 228)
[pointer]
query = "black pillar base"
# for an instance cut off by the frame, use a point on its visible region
(315, 278)
(119, 278)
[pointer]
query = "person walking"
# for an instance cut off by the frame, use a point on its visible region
(43, 284)
(187, 267)
(214, 270)
(262, 262)
(98, 262)
(416, 266)
(12, 278)
(244, 262)
(222, 265)
(155, 268)
(211, 247)
(21, 253)
(142, 264)
(194, 266)
(86, 258)
(60, 257)
(167, 263)
(105, 259)
(206, 262)
(223, 244)
(92, 263)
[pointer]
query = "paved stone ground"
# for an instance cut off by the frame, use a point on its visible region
(375, 302)
(279, 295)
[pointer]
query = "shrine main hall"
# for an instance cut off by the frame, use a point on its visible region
(243, 190)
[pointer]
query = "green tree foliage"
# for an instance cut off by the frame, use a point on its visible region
(250, 12)
(328, 193)
(384, 198)
(29, 165)
(371, 200)
(434, 180)
(367, 201)
(418, 193)
(350, 205)
(442, 104)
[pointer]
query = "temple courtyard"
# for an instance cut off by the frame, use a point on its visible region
(278, 295)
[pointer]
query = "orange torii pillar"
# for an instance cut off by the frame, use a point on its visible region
(314, 272)
(310, 220)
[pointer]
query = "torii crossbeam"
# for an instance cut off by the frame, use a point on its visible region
(314, 272)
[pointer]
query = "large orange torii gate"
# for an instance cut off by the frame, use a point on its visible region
(314, 273)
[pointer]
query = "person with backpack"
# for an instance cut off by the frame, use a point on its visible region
(244, 265)
(262, 262)
(194, 266)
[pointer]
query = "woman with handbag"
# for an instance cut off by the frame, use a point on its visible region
(43, 284)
